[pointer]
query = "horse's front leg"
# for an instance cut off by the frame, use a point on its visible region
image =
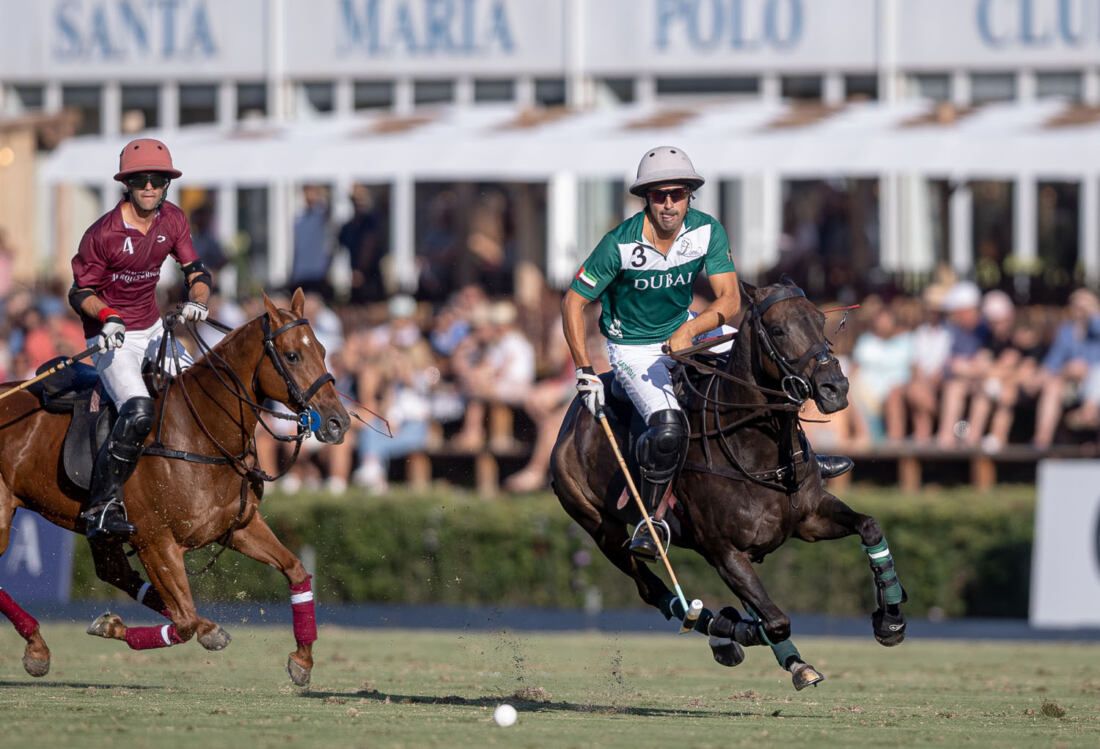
(257, 541)
(834, 519)
(774, 628)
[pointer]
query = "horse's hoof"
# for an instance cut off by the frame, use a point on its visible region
(726, 651)
(36, 665)
(299, 674)
(108, 625)
(215, 639)
(889, 628)
(804, 675)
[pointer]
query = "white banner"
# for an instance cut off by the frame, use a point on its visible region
(82, 40)
(441, 38)
(154, 40)
(723, 37)
(1065, 567)
(998, 35)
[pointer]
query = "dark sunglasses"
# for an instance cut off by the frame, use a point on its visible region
(138, 181)
(677, 194)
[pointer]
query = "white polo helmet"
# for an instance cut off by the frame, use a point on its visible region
(665, 164)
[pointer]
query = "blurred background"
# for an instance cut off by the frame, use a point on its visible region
(433, 172)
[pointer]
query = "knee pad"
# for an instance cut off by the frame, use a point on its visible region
(135, 421)
(662, 448)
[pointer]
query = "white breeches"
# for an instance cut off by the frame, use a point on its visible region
(120, 370)
(644, 371)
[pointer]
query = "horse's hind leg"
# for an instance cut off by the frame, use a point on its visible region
(36, 655)
(834, 519)
(163, 563)
(257, 541)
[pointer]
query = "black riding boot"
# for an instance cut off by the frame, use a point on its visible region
(831, 466)
(115, 463)
(660, 451)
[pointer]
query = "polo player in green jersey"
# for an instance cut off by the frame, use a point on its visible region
(642, 272)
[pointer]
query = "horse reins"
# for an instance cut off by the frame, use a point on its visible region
(795, 389)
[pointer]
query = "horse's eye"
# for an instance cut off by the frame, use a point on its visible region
(777, 332)
(292, 357)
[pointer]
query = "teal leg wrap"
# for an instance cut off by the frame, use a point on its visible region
(886, 577)
(783, 651)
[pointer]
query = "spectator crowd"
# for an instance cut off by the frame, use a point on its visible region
(952, 369)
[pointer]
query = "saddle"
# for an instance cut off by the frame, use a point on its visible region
(76, 390)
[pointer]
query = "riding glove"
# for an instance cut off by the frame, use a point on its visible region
(590, 388)
(112, 335)
(194, 311)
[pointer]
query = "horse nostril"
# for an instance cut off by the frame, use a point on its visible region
(829, 391)
(335, 426)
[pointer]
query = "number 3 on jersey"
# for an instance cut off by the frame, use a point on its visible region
(637, 259)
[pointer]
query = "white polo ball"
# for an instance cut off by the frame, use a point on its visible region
(505, 715)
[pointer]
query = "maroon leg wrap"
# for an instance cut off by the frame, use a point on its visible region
(305, 617)
(148, 638)
(25, 624)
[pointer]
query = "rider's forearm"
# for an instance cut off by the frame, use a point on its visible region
(719, 313)
(199, 291)
(91, 306)
(572, 322)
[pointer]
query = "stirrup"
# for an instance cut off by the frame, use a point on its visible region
(102, 519)
(643, 546)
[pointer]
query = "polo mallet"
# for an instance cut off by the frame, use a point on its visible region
(692, 612)
(55, 368)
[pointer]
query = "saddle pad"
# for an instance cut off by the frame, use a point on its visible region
(91, 424)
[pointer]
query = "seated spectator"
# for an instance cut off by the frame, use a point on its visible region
(546, 404)
(400, 386)
(496, 365)
(931, 343)
(882, 359)
(967, 362)
(1075, 349)
(1012, 358)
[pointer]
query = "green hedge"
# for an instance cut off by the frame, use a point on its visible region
(957, 553)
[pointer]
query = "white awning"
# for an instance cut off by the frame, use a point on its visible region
(1045, 138)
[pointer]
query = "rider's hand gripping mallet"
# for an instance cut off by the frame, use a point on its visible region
(55, 368)
(692, 612)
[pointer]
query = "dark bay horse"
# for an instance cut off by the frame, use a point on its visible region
(197, 483)
(750, 481)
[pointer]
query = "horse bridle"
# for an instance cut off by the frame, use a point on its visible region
(308, 418)
(794, 384)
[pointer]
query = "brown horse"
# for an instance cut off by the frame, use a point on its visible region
(750, 481)
(197, 483)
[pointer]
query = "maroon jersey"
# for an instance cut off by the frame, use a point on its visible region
(122, 265)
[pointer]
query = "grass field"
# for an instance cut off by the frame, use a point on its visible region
(374, 688)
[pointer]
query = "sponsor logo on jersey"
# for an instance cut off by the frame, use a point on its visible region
(585, 278)
(663, 281)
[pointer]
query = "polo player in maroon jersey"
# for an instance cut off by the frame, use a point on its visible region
(115, 274)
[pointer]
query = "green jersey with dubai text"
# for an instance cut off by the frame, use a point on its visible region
(645, 295)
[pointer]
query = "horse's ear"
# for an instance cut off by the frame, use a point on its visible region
(272, 310)
(787, 280)
(747, 289)
(298, 303)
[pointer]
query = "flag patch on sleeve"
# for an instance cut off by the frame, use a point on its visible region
(586, 279)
